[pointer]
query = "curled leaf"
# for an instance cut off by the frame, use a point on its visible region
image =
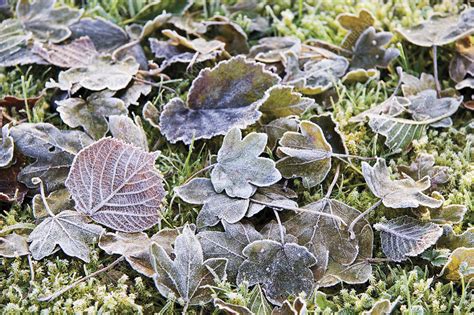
(116, 184)
(463, 62)
(424, 165)
(13, 245)
(426, 105)
(332, 133)
(452, 240)
(276, 195)
(461, 258)
(223, 29)
(271, 49)
(124, 128)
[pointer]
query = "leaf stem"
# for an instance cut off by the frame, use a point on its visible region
(37, 180)
(280, 226)
(435, 70)
(363, 158)
(75, 283)
(351, 166)
(199, 172)
(360, 216)
(333, 183)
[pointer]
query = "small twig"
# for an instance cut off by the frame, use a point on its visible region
(351, 165)
(333, 183)
(159, 85)
(435, 70)
(377, 260)
(360, 216)
(75, 283)
(280, 226)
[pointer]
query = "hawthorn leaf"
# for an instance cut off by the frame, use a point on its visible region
(424, 165)
(461, 258)
(355, 25)
(44, 21)
(13, 245)
(53, 149)
(407, 237)
(331, 131)
(275, 194)
(229, 244)
(239, 169)
(135, 247)
(216, 207)
(102, 73)
(463, 62)
(116, 184)
(282, 101)
(7, 148)
(258, 304)
(369, 51)
(306, 154)
(282, 269)
(412, 85)
(277, 128)
(452, 240)
(91, 113)
(188, 275)
(69, 230)
(392, 107)
(220, 98)
(58, 200)
(125, 129)
(440, 30)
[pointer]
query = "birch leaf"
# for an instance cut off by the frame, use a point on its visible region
(369, 51)
(7, 148)
(69, 230)
(451, 240)
(306, 154)
(402, 193)
(91, 113)
(229, 244)
(459, 257)
(105, 35)
(355, 25)
(13, 245)
(117, 185)
(424, 165)
(220, 98)
(188, 275)
(53, 149)
(282, 269)
(125, 129)
(407, 237)
(275, 194)
(440, 30)
(216, 207)
(239, 168)
(277, 128)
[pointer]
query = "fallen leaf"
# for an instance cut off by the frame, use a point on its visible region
(306, 154)
(402, 193)
(277, 128)
(188, 276)
(11, 189)
(275, 194)
(69, 230)
(297, 307)
(412, 85)
(154, 8)
(13, 245)
(459, 257)
(391, 107)
(125, 129)
(452, 240)
(405, 237)
(231, 309)
(53, 150)
(355, 25)
(381, 307)
(58, 200)
(424, 165)
(426, 105)
(7, 148)
(215, 104)
(225, 30)
(331, 131)
(271, 49)
(360, 76)
(151, 114)
(448, 214)
(463, 62)
(9, 101)
(116, 184)
(282, 269)
(91, 113)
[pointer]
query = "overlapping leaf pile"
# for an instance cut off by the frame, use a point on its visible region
(97, 181)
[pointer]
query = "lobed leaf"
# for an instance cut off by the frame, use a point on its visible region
(124, 128)
(355, 25)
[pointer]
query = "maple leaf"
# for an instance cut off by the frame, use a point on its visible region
(117, 185)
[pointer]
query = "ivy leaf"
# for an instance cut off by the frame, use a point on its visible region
(277, 128)
(46, 23)
(135, 247)
(407, 237)
(69, 230)
(402, 193)
(275, 194)
(239, 168)
(229, 244)
(58, 200)
(426, 105)
(439, 30)
(117, 185)
(306, 154)
(258, 304)
(13, 245)
(7, 148)
(188, 275)
(424, 165)
(369, 51)
(461, 258)
(125, 129)
(217, 207)
(215, 104)
(356, 25)
(91, 113)
(282, 269)
(451, 240)
(53, 150)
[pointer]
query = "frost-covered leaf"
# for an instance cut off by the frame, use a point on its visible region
(78, 53)
(239, 169)
(426, 105)
(124, 128)
(13, 45)
(11, 189)
(135, 247)
(369, 51)
(44, 21)
(381, 307)
(271, 49)
(306, 154)
(297, 307)
(216, 207)
(187, 276)
(439, 30)
(424, 165)
(452, 240)
(135, 90)
(69, 230)
(58, 200)
(463, 62)
(229, 244)
(412, 85)
(220, 98)
(231, 309)
(405, 237)
(275, 194)
(117, 185)
(7, 148)
(198, 45)
(13, 245)
(355, 25)
(157, 7)
(282, 101)
(282, 269)
(448, 214)
(461, 258)
(53, 150)
(223, 29)
(151, 114)
(103, 73)
(277, 128)
(393, 106)
(91, 113)
(402, 193)
(331, 131)
(360, 76)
